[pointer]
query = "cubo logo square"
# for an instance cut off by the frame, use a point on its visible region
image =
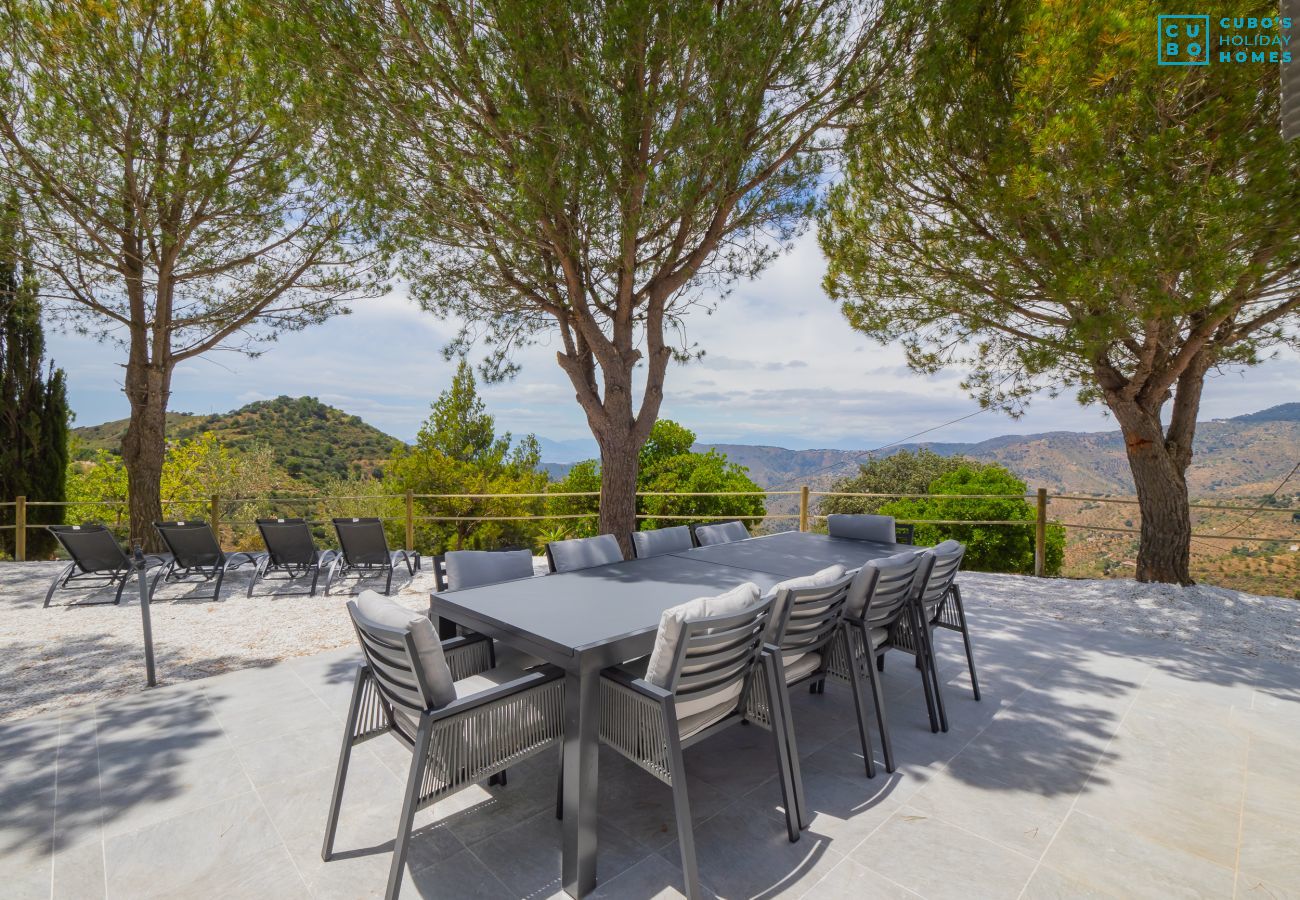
(1183, 40)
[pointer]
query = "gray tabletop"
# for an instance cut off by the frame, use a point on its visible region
(574, 611)
(793, 553)
(585, 620)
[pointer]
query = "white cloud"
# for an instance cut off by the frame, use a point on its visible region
(781, 367)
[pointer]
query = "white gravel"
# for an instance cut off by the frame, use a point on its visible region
(67, 654)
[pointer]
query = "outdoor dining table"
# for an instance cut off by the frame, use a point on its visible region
(587, 620)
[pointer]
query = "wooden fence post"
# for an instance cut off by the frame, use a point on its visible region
(20, 529)
(410, 520)
(215, 507)
(1040, 534)
(803, 507)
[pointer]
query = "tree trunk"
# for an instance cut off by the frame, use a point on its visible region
(619, 464)
(144, 447)
(1159, 467)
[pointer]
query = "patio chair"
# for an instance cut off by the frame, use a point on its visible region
(461, 569)
(195, 553)
(462, 720)
(583, 553)
(659, 541)
(947, 611)
(804, 626)
(880, 529)
(878, 600)
(721, 533)
(938, 605)
(708, 656)
(457, 570)
(291, 549)
(97, 558)
(363, 548)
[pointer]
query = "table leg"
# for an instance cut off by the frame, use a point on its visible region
(581, 752)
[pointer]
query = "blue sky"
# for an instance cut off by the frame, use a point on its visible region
(781, 368)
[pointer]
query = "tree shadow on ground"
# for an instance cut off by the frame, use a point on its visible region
(68, 775)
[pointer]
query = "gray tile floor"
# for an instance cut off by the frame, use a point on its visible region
(1097, 764)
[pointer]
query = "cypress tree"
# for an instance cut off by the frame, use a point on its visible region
(33, 399)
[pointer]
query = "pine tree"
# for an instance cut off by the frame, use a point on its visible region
(33, 403)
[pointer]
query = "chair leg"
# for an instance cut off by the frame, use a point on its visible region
(161, 574)
(221, 576)
(60, 579)
(965, 636)
(121, 586)
(419, 758)
(783, 720)
(880, 663)
(259, 571)
(878, 698)
(917, 650)
(932, 665)
(388, 585)
(559, 789)
(859, 704)
(329, 576)
(341, 773)
(682, 808)
(788, 797)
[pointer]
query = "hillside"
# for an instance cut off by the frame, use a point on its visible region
(1241, 456)
(1244, 455)
(310, 440)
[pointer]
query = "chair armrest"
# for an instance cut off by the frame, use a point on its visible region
(468, 655)
(634, 683)
(532, 679)
(452, 644)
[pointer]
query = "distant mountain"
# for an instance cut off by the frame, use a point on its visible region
(565, 453)
(1247, 454)
(1285, 412)
(309, 439)
(1243, 455)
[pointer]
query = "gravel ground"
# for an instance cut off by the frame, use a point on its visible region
(88, 653)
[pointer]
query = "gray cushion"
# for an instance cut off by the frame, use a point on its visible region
(583, 553)
(671, 625)
(388, 613)
(661, 540)
(477, 684)
(878, 636)
(486, 680)
(862, 527)
(723, 533)
(798, 666)
(689, 725)
(471, 568)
